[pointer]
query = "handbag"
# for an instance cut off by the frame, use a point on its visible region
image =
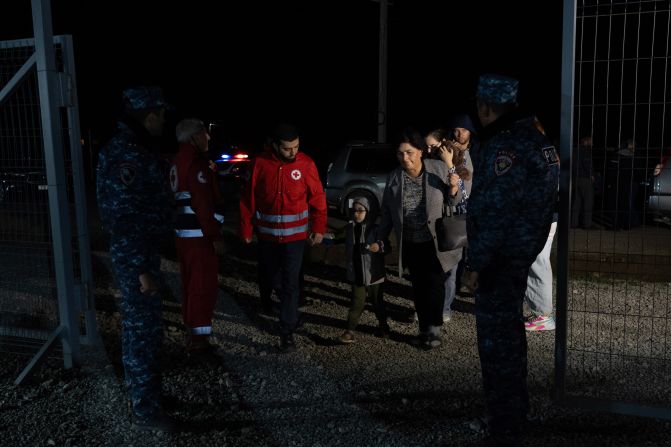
(451, 230)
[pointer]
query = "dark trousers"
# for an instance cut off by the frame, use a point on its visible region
(141, 327)
(502, 344)
(375, 296)
(583, 202)
(277, 287)
(622, 200)
(428, 282)
(283, 259)
(460, 269)
(198, 265)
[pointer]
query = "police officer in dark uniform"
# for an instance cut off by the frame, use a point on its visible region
(135, 207)
(510, 210)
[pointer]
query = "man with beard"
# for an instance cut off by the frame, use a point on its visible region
(284, 199)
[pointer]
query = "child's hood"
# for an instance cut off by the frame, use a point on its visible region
(363, 201)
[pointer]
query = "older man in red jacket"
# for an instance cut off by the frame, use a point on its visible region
(285, 201)
(198, 230)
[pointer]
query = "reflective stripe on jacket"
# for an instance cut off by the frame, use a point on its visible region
(196, 192)
(283, 200)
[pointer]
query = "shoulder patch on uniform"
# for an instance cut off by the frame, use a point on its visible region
(550, 155)
(201, 177)
(504, 161)
(174, 180)
(127, 173)
(296, 174)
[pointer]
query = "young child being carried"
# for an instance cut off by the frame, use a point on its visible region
(364, 259)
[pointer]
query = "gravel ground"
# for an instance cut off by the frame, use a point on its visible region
(374, 392)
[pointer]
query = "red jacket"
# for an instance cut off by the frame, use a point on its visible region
(196, 193)
(284, 200)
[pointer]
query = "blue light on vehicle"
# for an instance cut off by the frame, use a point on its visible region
(225, 156)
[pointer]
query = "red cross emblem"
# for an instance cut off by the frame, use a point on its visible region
(296, 174)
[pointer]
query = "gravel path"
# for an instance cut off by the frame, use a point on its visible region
(373, 393)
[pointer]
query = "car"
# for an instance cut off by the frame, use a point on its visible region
(659, 196)
(22, 186)
(232, 172)
(360, 168)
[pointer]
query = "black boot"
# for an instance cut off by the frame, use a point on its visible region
(287, 343)
(158, 421)
(383, 330)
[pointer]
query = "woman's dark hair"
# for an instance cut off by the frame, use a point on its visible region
(459, 157)
(413, 138)
(439, 134)
(460, 166)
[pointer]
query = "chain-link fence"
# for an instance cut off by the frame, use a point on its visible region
(616, 352)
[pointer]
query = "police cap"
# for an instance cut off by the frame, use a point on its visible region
(497, 89)
(144, 97)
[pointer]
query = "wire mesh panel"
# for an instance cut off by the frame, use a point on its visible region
(618, 333)
(36, 308)
(28, 302)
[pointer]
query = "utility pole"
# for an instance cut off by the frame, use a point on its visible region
(382, 75)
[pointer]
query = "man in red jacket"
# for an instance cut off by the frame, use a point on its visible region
(197, 227)
(283, 199)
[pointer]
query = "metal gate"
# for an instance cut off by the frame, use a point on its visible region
(46, 292)
(613, 345)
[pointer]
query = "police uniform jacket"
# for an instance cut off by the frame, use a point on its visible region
(282, 199)
(196, 192)
(510, 209)
(133, 196)
(436, 188)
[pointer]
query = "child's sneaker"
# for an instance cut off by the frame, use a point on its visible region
(347, 337)
(540, 323)
(383, 331)
(432, 341)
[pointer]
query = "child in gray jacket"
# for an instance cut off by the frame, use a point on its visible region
(364, 258)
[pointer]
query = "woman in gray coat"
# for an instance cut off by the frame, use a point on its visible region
(413, 199)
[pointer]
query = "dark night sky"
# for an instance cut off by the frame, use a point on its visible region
(249, 64)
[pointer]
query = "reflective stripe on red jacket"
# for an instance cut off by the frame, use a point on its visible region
(196, 192)
(283, 200)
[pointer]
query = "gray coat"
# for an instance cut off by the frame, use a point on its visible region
(437, 193)
(468, 184)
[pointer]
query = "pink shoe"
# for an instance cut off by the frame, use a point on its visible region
(540, 323)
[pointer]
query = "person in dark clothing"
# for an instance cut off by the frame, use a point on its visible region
(364, 258)
(623, 187)
(510, 210)
(583, 185)
(465, 139)
(135, 207)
